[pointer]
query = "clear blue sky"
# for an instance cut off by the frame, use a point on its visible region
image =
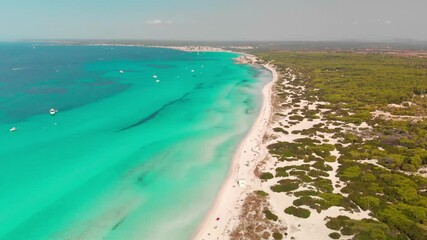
(214, 19)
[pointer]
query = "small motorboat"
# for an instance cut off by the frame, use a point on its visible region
(154, 76)
(53, 111)
(13, 129)
(121, 71)
(157, 81)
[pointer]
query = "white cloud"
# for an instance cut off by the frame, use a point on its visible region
(158, 22)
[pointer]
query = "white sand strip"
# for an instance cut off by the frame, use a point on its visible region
(223, 215)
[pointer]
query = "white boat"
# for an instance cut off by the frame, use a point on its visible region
(53, 111)
(121, 71)
(192, 70)
(13, 129)
(154, 76)
(157, 81)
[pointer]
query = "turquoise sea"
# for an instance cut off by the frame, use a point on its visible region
(140, 145)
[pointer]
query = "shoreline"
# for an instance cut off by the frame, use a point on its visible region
(241, 180)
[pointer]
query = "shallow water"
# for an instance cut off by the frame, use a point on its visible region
(125, 157)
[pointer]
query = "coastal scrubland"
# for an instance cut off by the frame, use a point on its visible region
(363, 147)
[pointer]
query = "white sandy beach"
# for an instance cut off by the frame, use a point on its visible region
(249, 153)
(223, 216)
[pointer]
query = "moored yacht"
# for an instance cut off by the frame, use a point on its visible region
(53, 111)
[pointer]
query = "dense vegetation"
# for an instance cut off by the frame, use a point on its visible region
(352, 87)
(358, 79)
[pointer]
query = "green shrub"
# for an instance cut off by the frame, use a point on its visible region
(323, 184)
(368, 202)
(337, 223)
(261, 193)
(335, 235)
(330, 159)
(314, 203)
(281, 173)
(269, 215)
(362, 229)
(322, 166)
(298, 212)
(369, 177)
(317, 173)
(296, 117)
(277, 236)
(266, 175)
(305, 193)
(286, 185)
(279, 129)
(351, 172)
(332, 199)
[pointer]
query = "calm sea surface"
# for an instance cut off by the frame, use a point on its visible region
(140, 145)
